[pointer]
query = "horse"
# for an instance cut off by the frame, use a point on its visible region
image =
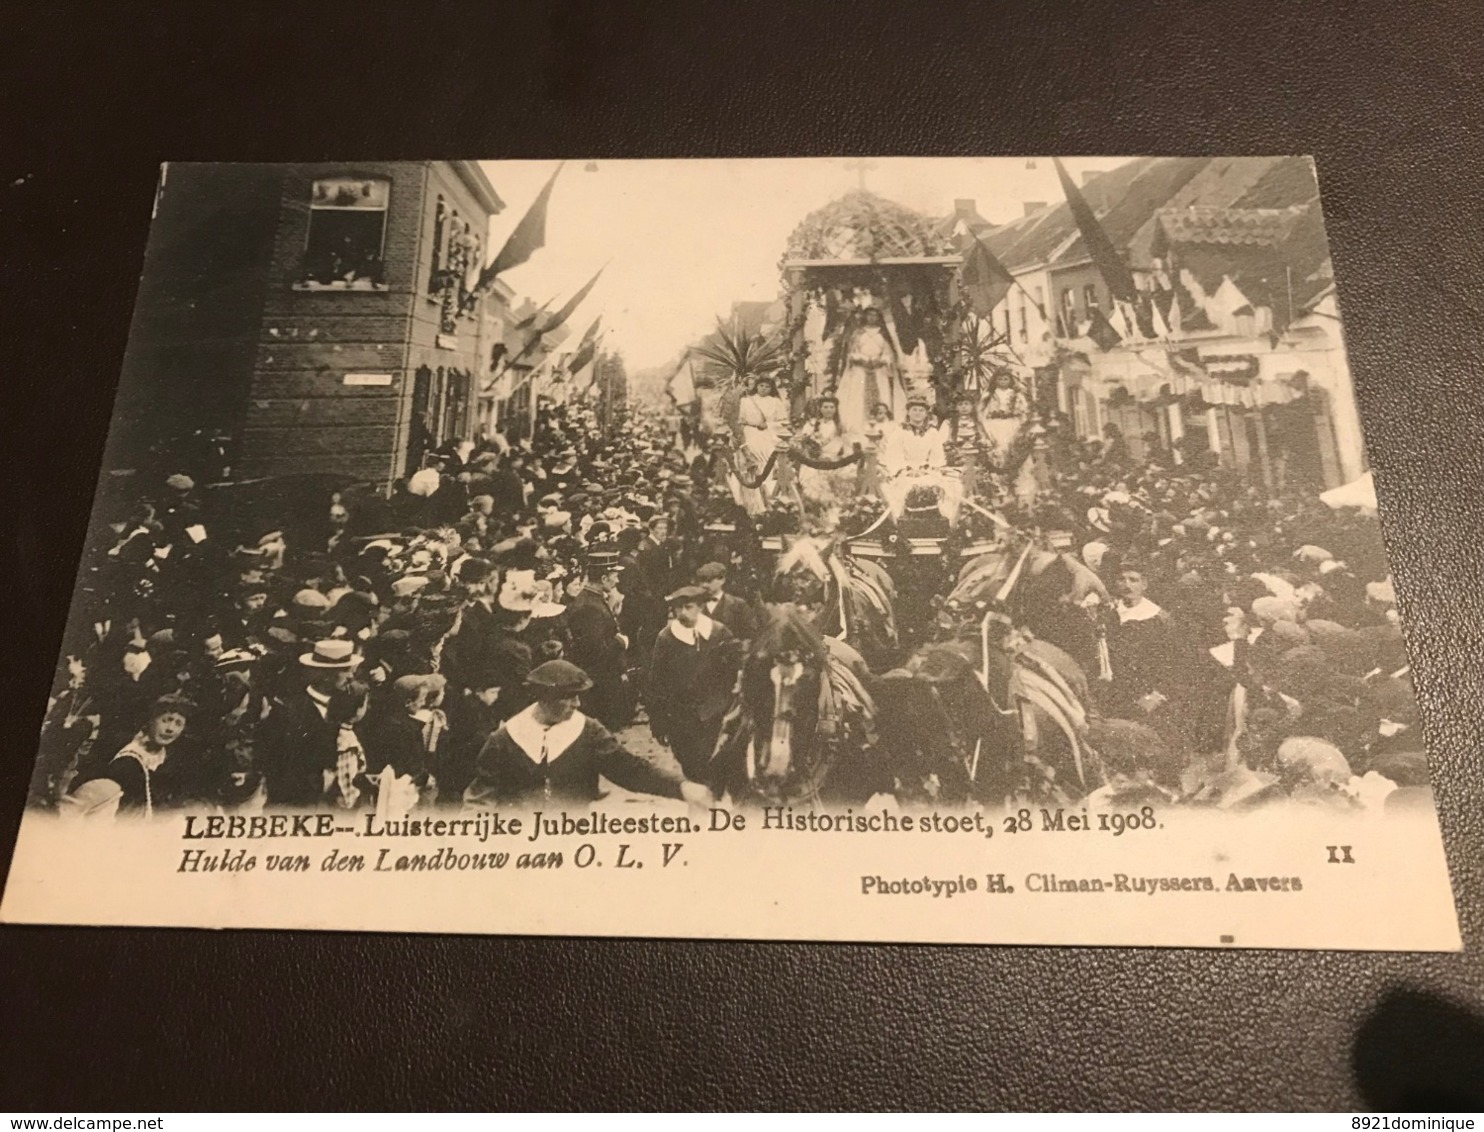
(852, 599)
(1046, 592)
(1028, 734)
(944, 734)
(801, 726)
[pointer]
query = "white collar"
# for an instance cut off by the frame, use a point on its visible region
(1226, 652)
(320, 701)
(142, 751)
(535, 740)
(1141, 610)
(703, 629)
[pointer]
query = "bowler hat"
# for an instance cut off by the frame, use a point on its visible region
(558, 677)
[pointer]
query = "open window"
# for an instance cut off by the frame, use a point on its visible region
(1069, 311)
(347, 232)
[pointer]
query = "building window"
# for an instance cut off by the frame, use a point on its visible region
(347, 229)
(435, 269)
(1069, 311)
(1041, 304)
(1025, 332)
(1090, 298)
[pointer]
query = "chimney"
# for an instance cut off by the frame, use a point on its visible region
(1033, 206)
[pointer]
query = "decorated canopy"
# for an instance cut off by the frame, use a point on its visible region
(863, 226)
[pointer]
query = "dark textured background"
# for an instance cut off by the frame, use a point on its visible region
(1385, 95)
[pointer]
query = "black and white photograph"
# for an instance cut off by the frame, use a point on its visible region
(836, 548)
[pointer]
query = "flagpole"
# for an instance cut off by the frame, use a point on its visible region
(1015, 279)
(561, 315)
(534, 237)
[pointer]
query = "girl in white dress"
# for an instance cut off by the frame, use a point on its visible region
(824, 439)
(763, 416)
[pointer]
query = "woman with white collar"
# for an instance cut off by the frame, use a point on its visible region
(552, 753)
(147, 775)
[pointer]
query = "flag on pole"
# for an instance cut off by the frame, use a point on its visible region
(582, 356)
(525, 239)
(1167, 306)
(586, 348)
(535, 339)
(530, 319)
(1161, 327)
(582, 377)
(986, 281)
(571, 304)
(1105, 257)
(682, 384)
(1102, 332)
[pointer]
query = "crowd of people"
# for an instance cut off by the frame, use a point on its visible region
(487, 633)
(1247, 644)
(230, 659)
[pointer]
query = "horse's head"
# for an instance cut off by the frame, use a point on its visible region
(807, 579)
(780, 692)
(807, 554)
(790, 636)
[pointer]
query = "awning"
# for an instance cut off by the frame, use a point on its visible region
(1235, 380)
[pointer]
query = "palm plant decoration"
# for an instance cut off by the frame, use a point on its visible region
(734, 358)
(982, 352)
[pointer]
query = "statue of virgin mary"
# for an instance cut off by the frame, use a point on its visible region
(870, 372)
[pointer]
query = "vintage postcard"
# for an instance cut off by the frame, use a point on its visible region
(942, 550)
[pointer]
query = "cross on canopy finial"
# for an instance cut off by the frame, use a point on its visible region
(860, 167)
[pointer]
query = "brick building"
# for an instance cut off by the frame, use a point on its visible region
(312, 317)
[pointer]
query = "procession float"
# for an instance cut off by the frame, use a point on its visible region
(865, 450)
